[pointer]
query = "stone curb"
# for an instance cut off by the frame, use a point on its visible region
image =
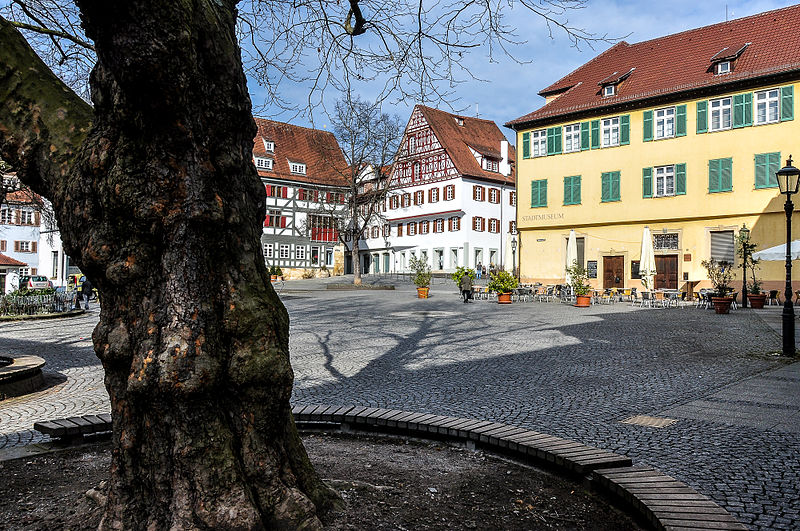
(22, 376)
(34, 317)
(660, 500)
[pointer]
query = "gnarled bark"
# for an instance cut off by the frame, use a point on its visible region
(160, 205)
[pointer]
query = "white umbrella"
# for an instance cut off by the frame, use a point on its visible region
(647, 260)
(572, 254)
(778, 252)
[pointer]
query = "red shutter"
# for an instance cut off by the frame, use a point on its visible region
(283, 222)
(37, 218)
(16, 246)
(2, 246)
(268, 188)
(33, 246)
(33, 271)
(483, 224)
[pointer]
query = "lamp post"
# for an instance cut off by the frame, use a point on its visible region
(514, 255)
(788, 184)
(744, 235)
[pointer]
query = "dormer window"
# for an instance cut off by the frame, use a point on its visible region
(722, 61)
(263, 163)
(459, 121)
(297, 167)
(269, 146)
(609, 90)
(724, 67)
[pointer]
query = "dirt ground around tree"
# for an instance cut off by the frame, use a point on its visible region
(385, 483)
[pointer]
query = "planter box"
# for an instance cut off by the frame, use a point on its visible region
(422, 293)
(756, 300)
(504, 298)
(722, 304)
(583, 301)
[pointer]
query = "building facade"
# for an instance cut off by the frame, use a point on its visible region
(682, 134)
(302, 170)
(451, 199)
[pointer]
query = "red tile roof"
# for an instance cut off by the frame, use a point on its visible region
(481, 135)
(318, 150)
(678, 64)
(8, 261)
(24, 196)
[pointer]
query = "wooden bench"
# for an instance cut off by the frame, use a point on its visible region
(74, 427)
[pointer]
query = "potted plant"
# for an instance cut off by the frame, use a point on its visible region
(421, 272)
(502, 282)
(460, 272)
(720, 273)
(579, 284)
(744, 249)
(754, 294)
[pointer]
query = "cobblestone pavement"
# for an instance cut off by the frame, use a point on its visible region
(548, 367)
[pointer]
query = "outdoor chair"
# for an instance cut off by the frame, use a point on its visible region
(735, 303)
(774, 297)
(659, 299)
(626, 295)
(646, 299)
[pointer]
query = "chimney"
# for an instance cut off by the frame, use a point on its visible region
(505, 167)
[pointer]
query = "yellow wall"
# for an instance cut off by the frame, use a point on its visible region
(616, 227)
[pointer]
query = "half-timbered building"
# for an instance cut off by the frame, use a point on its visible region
(452, 196)
(302, 171)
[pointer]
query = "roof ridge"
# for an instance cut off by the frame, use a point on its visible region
(456, 115)
(590, 61)
(314, 129)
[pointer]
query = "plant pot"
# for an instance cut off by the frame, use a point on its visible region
(422, 293)
(273, 278)
(504, 298)
(583, 301)
(757, 300)
(722, 304)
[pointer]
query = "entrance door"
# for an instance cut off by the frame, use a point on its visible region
(385, 262)
(367, 258)
(613, 272)
(667, 271)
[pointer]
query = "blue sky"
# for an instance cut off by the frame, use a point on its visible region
(513, 88)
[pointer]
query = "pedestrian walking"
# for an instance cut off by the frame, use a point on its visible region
(86, 291)
(466, 287)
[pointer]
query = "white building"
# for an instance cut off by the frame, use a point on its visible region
(452, 197)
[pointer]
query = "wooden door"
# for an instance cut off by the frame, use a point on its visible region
(613, 272)
(666, 271)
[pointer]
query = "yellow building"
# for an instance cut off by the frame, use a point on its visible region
(682, 134)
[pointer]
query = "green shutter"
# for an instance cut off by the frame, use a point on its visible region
(680, 120)
(567, 190)
(647, 182)
(738, 111)
(774, 164)
(680, 179)
(787, 103)
(543, 192)
(748, 109)
(585, 139)
(605, 186)
(554, 140)
(762, 169)
(557, 139)
(526, 145)
(702, 116)
(615, 186)
(713, 175)
(595, 134)
(576, 190)
(624, 130)
(539, 193)
(726, 175)
(648, 126)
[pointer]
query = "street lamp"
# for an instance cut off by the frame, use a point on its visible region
(788, 182)
(744, 236)
(514, 255)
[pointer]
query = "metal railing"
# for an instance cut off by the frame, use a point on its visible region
(37, 304)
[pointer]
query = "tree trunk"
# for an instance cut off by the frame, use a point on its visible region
(161, 208)
(356, 263)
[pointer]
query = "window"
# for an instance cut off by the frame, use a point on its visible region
(297, 167)
(394, 202)
(5, 216)
(424, 227)
(572, 138)
(449, 192)
(610, 132)
(406, 200)
(281, 192)
(300, 252)
(490, 164)
(512, 227)
(25, 247)
(665, 122)
(539, 143)
(438, 225)
(572, 190)
(512, 199)
(767, 106)
(494, 225)
(720, 175)
(609, 90)
(722, 247)
(412, 228)
(26, 217)
(609, 186)
(376, 232)
(315, 256)
(433, 195)
(275, 219)
(767, 164)
(454, 223)
(54, 260)
(283, 251)
(263, 163)
(478, 223)
(419, 197)
(720, 114)
(304, 194)
(665, 241)
(539, 193)
(387, 230)
(412, 144)
(334, 197)
(665, 181)
(478, 193)
(724, 67)
(268, 250)
(323, 228)
(269, 146)
(2, 246)
(494, 195)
